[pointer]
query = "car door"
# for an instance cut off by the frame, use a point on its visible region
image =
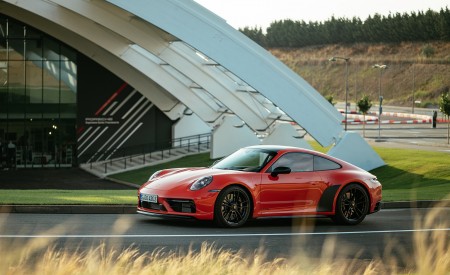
(294, 193)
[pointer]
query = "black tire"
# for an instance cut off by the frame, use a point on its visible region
(232, 207)
(352, 205)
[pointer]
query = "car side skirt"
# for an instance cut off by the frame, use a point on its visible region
(294, 216)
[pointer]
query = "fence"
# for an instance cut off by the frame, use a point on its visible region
(178, 146)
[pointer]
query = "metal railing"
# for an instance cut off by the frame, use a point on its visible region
(190, 144)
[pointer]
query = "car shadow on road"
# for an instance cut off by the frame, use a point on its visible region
(285, 223)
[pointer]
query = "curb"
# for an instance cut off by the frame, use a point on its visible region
(69, 209)
(131, 209)
(414, 204)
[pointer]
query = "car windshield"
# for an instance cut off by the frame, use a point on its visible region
(247, 159)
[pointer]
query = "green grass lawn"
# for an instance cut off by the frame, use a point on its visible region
(408, 175)
(141, 175)
(414, 174)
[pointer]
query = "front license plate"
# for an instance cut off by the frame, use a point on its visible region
(149, 198)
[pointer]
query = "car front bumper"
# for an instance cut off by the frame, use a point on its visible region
(200, 206)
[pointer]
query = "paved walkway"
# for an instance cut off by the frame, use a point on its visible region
(417, 145)
(77, 179)
(64, 178)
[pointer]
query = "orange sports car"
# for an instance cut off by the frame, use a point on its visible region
(262, 182)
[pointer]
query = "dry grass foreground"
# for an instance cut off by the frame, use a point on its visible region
(38, 256)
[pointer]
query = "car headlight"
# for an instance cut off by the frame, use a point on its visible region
(201, 183)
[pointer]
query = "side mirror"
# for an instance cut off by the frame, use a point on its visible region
(280, 170)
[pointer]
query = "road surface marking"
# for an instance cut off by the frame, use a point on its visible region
(225, 235)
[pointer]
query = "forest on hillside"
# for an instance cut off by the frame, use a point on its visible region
(410, 78)
(414, 47)
(394, 28)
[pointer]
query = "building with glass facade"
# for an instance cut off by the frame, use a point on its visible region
(87, 81)
(59, 108)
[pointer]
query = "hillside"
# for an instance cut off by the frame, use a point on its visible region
(414, 69)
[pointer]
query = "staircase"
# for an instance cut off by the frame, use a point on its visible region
(181, 147)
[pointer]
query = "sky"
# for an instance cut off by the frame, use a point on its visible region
(260, 13)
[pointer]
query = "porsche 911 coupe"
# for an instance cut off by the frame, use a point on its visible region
(263, 182)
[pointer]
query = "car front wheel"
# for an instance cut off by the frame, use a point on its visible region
(352, 205)
(232, 207)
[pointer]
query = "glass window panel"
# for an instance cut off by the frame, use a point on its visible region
(15, 29)
(34, 90)
(37, 96)
(3, 27)
(15, 50)
(3, 87)
(51, 75)
(3, 101)
(322, 164)
(16, 89)
(32, 33)
(297, 162)
(51, 49)
(68, 82)
(34, 50)
(68, 53)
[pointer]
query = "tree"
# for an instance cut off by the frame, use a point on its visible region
(255, 34)
(444, 107)
(364, 105)
(394, 28)
(428, 51)
(330, 99)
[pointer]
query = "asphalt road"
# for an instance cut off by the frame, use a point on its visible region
(286, 238)
(388, 234)
(413, 135)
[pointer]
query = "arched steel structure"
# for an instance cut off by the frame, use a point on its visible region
(185, 59)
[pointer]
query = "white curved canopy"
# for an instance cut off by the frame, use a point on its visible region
(177, 52)
(256, 68)
(181, 56)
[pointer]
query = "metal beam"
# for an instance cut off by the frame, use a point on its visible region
(205, 32)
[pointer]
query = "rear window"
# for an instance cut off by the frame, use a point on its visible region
(322, 164)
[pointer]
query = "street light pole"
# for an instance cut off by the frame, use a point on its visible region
(346, 59)
(414, 87)
(380, 109)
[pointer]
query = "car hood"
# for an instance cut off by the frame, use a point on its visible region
(183, 178)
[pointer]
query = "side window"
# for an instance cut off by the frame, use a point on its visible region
(298, 162)
(321, 164)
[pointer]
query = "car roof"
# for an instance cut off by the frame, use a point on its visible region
(277, 148)
(286, 149)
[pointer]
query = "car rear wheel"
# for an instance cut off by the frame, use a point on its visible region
(232, 207)
(352, 205)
